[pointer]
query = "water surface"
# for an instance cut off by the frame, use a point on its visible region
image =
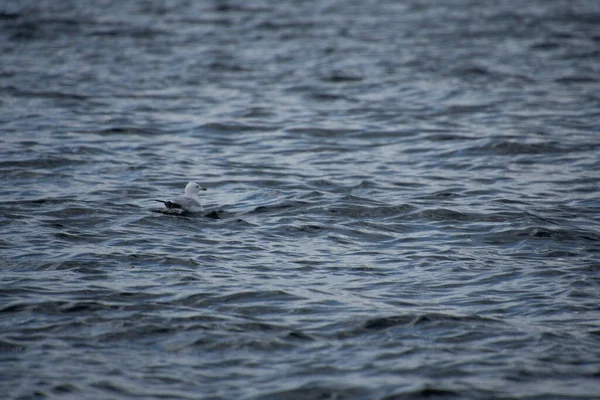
(403, 199)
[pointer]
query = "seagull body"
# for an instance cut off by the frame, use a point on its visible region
(188, 202)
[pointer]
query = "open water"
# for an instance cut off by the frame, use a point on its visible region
(403, 199)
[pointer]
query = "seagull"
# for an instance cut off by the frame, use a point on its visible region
(188, 202)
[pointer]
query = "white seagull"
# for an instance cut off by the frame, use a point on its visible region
(188, 202)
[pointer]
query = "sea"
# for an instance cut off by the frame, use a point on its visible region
(403, 199)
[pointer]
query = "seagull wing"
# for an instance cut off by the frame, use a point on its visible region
(183, 203)
(170, 204)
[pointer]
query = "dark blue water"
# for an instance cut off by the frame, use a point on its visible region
(403, 199)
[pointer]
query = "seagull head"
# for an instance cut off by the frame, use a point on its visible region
(192, 189)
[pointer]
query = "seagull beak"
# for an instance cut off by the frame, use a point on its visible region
(202, 188)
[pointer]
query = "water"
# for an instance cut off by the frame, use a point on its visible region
(402, 199)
